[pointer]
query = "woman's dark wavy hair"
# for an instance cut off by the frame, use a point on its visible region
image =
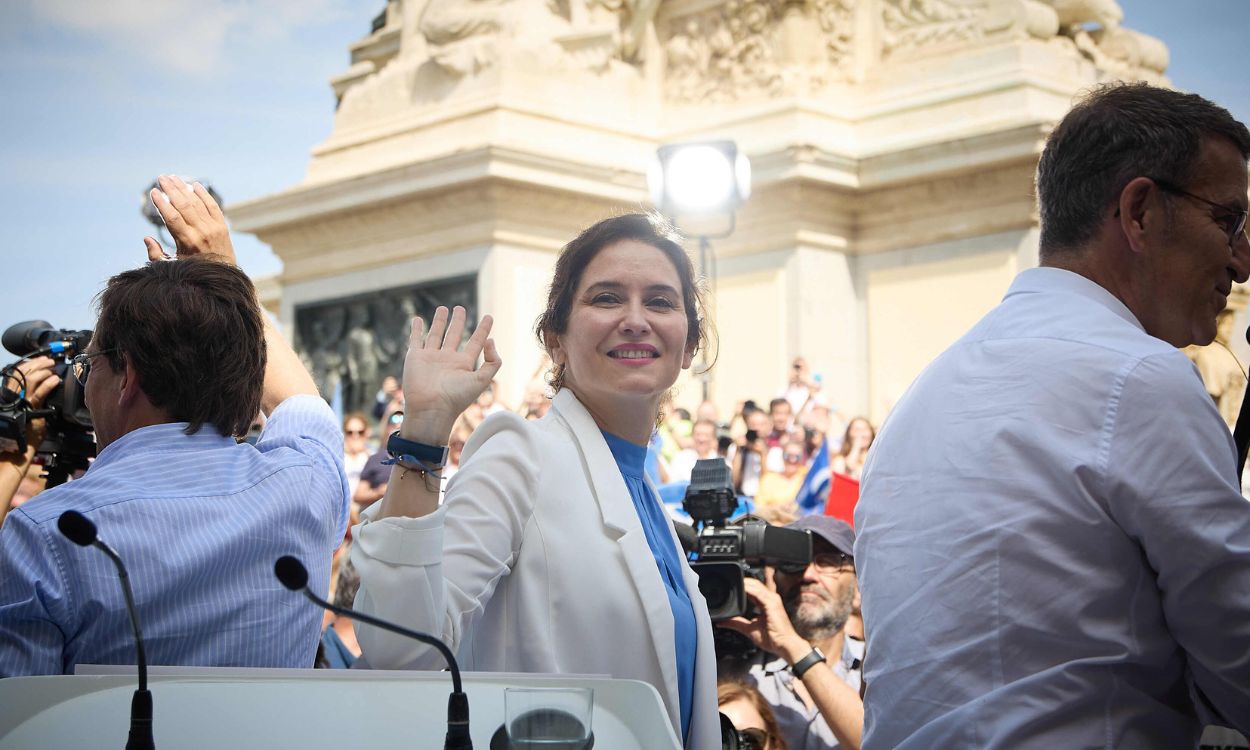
(192, 329)
(648, 228)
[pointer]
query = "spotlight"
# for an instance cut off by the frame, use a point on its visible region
(699, 178)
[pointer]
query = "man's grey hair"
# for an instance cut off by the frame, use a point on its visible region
(1115, 134)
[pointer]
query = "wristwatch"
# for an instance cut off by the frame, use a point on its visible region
(412, 452)
(801, 666)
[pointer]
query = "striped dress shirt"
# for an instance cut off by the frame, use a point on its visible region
(199, 521)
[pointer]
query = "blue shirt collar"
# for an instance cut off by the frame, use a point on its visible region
(170, 436)
(630, 458)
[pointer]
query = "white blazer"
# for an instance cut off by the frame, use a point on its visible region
(536, 562)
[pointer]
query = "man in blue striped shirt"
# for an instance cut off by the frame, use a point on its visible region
(181, 362)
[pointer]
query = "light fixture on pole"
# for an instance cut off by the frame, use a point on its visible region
(699, 185)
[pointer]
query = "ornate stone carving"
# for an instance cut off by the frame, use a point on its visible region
(909, 24)
(350, 345)
(1117, 52)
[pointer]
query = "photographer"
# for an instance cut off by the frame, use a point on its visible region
(811, 673)
(33, 381)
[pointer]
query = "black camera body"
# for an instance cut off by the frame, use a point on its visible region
(725, 553)
(68, 442)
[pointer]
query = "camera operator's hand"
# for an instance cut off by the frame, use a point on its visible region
(36, 378)
(193, 219)
(771, 630)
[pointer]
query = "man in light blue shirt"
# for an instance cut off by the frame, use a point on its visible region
(181, 362)
(1052, 545)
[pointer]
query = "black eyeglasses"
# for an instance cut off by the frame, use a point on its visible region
(81, 365)
(825, 562)
(1233, 220)
(753, 739)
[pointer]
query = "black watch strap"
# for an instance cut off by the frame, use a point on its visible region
(807, 662)
(410, 451)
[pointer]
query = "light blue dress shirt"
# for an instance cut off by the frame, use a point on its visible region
(630, 459)
(1052, 546)
(199, 521)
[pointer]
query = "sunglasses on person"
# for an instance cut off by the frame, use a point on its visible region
(825, 562)
(753, 739)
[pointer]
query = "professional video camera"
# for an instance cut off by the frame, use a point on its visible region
(725, 553)
(68, 441)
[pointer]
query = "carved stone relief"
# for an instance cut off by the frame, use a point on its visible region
(911, 24)
(350, 345)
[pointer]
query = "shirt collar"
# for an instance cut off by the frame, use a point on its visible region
(161, 438)
(1047, 279)
(630, 458)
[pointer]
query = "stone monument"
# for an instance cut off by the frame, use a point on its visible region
(893, 144)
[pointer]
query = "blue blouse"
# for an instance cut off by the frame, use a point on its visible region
(630, 459)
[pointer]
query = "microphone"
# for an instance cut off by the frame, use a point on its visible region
(1241, 429)
(292, 573)
(688, 537)
(81, 531)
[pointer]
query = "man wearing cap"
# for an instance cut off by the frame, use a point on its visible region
(811, 672)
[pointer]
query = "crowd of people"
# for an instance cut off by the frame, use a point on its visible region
(1050, 547)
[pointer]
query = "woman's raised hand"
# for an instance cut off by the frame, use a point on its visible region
(441, 379)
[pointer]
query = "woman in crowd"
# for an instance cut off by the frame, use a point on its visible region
(551, 553)
(355, 446)
(750, 715)
(855, 444)
(779, 488)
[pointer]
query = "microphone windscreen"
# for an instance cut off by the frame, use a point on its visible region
(291, 572)
(77, 528)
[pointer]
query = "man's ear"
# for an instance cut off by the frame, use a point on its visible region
(1135, 205)
(129, 388)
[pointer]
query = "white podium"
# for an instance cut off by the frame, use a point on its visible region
(251, 709)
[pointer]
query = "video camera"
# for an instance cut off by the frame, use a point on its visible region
(725, 553)
(68, 441)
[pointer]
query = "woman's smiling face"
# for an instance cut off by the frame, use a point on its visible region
(626, 339)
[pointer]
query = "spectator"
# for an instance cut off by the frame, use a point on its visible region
(339, 648)
(389, 399)
(373, 476)
(751, 452)
(703, 433)
(854, 451)
(746, 709)
(799, 387)
(489, 402)
(778, 489)
(181, 360)
(355, 447)
(811, 672)
(32, 380)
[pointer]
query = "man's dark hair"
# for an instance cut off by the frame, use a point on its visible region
(193, 331)
(775, 403)
(1115, 134)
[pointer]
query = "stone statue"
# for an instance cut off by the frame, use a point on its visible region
(362, 363)
(1221, 373)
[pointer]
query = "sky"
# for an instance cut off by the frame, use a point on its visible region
(102, 96)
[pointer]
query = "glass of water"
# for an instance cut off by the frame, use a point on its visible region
(549, 718)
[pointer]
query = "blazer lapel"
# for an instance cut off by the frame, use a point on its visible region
(617, 509)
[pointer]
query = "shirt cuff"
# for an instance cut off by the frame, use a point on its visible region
(399, 540)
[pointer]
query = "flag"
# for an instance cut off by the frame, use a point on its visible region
(815, 488)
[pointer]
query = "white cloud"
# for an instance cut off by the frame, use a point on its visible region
(197, 37)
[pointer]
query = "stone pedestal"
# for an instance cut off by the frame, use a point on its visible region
(893, 144)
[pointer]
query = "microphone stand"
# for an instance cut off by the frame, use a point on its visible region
(141, 704)
(295, 577)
